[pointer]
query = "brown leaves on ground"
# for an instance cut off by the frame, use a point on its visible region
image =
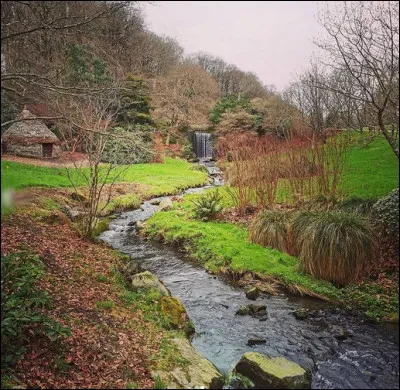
(107, 348)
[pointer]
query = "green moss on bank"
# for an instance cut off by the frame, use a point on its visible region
(220, 244)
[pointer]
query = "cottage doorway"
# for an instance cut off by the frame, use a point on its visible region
(47, 150)
(3, 147)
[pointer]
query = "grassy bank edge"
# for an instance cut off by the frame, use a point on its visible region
(224, 248)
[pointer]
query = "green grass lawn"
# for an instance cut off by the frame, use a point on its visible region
(371, 171)
(218, 244)
(163, 178)
(221, 244)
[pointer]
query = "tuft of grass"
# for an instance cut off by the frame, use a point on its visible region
(158, 383)
(105, 305)
(334, 246)
(272, 228)
(356, 204)
(101, 278)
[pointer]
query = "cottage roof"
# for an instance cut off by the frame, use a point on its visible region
(30, 131)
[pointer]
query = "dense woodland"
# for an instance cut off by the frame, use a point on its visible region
(61, 54)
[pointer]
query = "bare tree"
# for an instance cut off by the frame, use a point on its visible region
(184, 96)
(362, 46)
(93, 116)
(310, 99)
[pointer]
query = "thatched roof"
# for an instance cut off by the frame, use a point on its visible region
(29, 132)
(41, 110)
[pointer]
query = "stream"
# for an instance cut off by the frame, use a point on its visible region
(368, 359)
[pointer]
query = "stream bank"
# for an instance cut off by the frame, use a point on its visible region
(367, 357)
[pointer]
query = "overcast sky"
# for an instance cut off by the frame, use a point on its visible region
(270, 38)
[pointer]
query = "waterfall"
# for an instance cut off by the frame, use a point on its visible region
(202, 145)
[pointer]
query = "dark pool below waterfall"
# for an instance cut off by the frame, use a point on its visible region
(368, 359)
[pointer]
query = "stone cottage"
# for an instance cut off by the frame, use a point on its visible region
(30, 138)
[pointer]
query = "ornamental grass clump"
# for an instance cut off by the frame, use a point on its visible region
(334, 246)
(272, 228)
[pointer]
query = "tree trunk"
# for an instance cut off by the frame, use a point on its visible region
(389, 139)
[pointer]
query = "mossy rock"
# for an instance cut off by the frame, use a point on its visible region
(253, 293)
(236, 381)
(146, 280)
(56, 218)
(176, 313)
(273, 372)
(301, 314)
(200, 373)
(165, 205)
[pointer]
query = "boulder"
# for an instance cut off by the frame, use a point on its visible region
(176, 313)
(198, 373)
(147, 280)
(237, 381)
(76, 215)
(131, 269)
(301, 314)
(155, 202)
(253, 293)
(140, 224)
(273, 372)
(339, 332)
(77, 196)
(252, 309)
(165, 205)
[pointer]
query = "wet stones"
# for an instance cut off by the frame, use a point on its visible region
(273, 372)
(255, 341)
(253, 293)
(254, 310)
(339, 333)
(301, 314)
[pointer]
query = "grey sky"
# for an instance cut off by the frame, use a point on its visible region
(270, 38)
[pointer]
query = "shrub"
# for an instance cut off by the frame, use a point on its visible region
(128, 147)
(272, 228)
(187, 151)
(334, 246)
(385, 213)
(22, 304)
(208, 205)
(358, 205)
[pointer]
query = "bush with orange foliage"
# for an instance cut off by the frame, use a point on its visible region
(306, 164)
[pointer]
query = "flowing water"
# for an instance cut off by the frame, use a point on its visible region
(202, 145)
(368, 359)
